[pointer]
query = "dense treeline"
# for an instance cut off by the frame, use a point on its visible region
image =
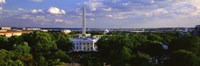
(149, 49)
(115, 49)
(35, 49)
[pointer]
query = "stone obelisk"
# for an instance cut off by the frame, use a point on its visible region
(84, 22)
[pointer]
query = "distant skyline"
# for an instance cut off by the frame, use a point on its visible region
(100, 13)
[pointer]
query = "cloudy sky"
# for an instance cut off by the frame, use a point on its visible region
(100, 13)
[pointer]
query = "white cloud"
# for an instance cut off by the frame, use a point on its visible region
(37, 11)
(20, 9)
(93, 5)
(55, 10)
(114, 1)
(126, 4)
(159, 11)
(40, 17)
(37, 0)
(109, 15)
(189, 7)
(174, 22)
(1, 8)
(124, 15)
(144, 13)
(92, 19)
(2, 1)
(107, 9)
(90, 14)
(125, 9)
(59, 20)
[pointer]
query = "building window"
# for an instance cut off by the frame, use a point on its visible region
(88, 44)
(84, 48)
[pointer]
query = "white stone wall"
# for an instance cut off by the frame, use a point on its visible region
(85, 45)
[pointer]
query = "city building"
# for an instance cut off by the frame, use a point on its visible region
(6, 28)
(197, 30)
(33, 29)
(84, 43)
(66, 31)
(14, 33)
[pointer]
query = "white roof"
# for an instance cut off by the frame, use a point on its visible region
(84, 39)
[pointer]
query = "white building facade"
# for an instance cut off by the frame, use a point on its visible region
(84, 44)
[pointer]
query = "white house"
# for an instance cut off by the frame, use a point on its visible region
(85, 44)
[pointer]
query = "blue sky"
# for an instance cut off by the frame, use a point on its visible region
(100, 13)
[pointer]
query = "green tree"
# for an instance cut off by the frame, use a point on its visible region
(154, 37)
(62, 55)
(15, 63)
(89, 59)
(4, 43)
(169, 36)
(22, 51)
(137, 41)
(5, 56)
(113, 49)
(141, 59)
(189, 43)
(15, 40)
(57, 62)
(41, 61)
(183, 58)
(26, 59)
(22, 48)
(42, 46)
(40, 41)
(154, 49)
(62, 40)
